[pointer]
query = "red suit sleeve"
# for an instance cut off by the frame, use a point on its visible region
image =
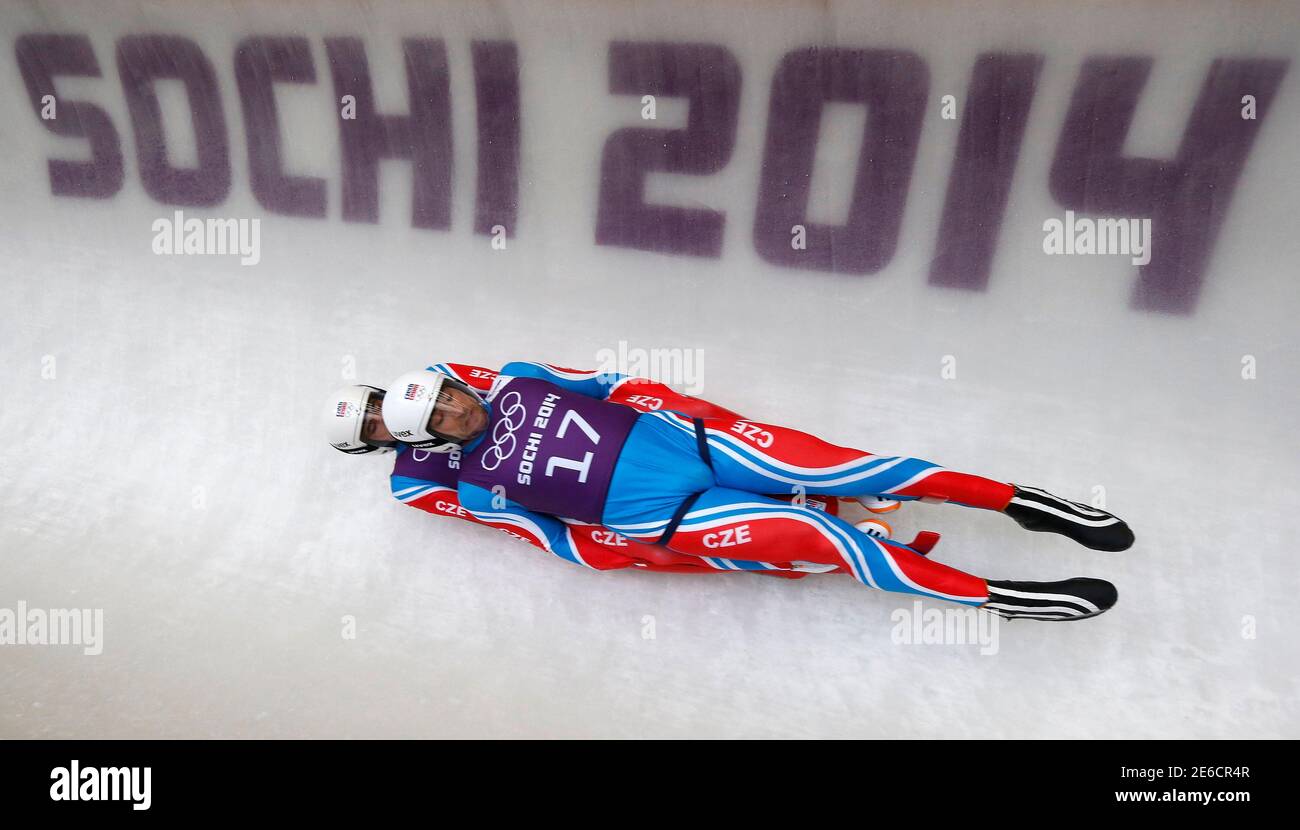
(600, 547)
(476, 377)
(649, 396)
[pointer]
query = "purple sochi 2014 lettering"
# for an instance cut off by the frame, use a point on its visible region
(708, 76)
(1186, 197)
(496, 96)
(893, 86)
(143, 60)
(423, 136)
(42, 58)
(994, 115)
(260, 63)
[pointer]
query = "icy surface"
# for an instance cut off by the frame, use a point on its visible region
(171, 471)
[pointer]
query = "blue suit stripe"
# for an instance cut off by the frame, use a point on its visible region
(868, 559)
(741, 467)
(856, 558)
(408, 489)
(592, 384)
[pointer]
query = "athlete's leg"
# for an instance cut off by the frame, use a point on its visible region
(765, 458)
(739, 523)
(733, 523)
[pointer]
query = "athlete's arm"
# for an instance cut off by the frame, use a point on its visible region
(428, 496)
(593, 384)
(639, 393)
(478, 378)
(651, 395)
(549, 533)
(596, 547)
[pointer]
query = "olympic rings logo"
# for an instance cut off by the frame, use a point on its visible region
(503, 431)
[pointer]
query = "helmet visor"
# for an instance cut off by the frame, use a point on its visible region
(373, 431)
(459, 415)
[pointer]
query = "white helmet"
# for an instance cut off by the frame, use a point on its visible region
(350, 415)
(433, 411)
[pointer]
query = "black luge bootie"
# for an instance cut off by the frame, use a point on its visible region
(1069, 599)
(1035, 509)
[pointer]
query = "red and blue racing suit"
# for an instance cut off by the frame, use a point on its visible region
(696, 485)
(429, 481)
